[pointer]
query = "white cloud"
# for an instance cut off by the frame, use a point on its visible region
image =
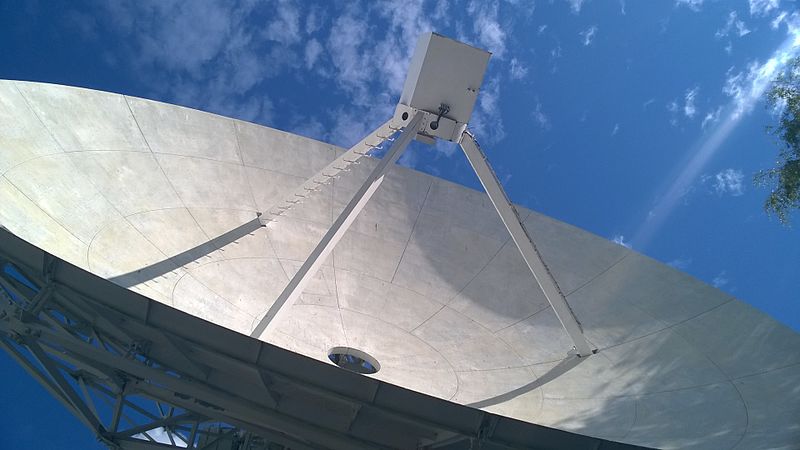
(541, 29)
(615, 130)
(711, 118)
(622, 7)
(312, 52)
(365, 64)
(203, 55)
(763, 7)
(309, 127)
(517, 70)
(588, 35)
(733, 23)
(441, 14)
(195, 35)
(490, 33)
(729, 181)
(486, 119)
(362, 63)
(214, 56)
(776, 22)
(620, 240)
(720, 280)
(540, 117)
(680, 263)
(345, 45)
(488, 102)
(672, 106)
(688, 106)
(694, 5)
(285, 27)
(746, 87)
(409, 158)
(729, 48)
(575, 5)
(447, 148)
(350, 125)
(314, 21)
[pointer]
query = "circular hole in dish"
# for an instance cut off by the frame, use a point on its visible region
(354, 360)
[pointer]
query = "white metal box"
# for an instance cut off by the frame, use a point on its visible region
(444, 71)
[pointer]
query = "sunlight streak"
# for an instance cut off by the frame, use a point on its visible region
(746, 89)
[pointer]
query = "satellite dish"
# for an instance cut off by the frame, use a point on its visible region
(205, 276)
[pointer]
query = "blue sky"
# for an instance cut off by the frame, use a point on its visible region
(640, 121)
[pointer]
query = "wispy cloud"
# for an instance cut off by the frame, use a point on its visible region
(575, 5)
(409, 158)
(733, 24)
(312, 52)
(309, 127)
(689, 110)
(720, 280)
(222, 56)
(588, 35)
(285, 26)
(680, 263)
(711, 118)
(540, 117)
(314, 20)
(615, 130)
(776, 22)
(763, 7)
(486, 119)
(490, 33)
(694, 5)
(746, 87)
(672, 107)
(620, 240)
(204, 55)
(729, 181)
(517, 70)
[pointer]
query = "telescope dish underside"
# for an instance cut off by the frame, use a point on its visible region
(161, 199)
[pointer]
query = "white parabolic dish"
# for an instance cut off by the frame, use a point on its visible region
(426, 281)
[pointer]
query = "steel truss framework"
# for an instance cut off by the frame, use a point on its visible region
(143, 376)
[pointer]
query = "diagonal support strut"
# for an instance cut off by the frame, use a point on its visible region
(533, 259)
(314, 261)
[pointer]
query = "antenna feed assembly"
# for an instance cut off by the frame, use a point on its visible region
(444, 77)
